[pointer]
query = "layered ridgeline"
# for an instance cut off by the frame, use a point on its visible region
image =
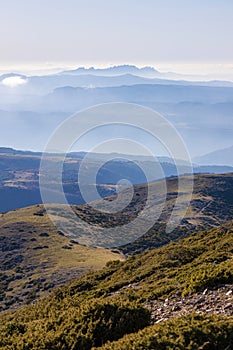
(104, 306)
(19, 174)
(36, 256)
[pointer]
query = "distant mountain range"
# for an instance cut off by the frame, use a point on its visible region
(201, 111)
(221, 157)
(91, 78)
(115, 70)
(19, 175)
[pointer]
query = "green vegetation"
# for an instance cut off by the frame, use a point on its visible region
(81, 326)
(184, 333)
(185, 266)
(105, 305)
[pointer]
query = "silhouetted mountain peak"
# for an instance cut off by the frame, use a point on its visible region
(115, 70)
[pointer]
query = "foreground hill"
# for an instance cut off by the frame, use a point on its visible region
(36, 257)
(104, 306)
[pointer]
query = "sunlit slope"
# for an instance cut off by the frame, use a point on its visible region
(36, 257)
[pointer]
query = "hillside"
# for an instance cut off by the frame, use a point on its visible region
(36, 257)
(211, 206)
(106, 305)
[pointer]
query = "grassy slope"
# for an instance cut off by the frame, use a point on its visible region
(97, 307)
(35, 256)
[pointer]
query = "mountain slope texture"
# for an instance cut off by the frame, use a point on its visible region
(101, 308)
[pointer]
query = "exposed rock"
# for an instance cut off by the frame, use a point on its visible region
(211, 301)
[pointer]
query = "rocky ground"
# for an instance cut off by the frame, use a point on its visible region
(213, 301)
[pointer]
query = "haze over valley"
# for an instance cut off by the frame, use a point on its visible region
(201, 111)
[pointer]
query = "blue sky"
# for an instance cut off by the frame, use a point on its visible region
(95, 32)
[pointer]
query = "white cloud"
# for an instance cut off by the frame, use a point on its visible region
(14, 81)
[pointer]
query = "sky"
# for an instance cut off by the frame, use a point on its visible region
(49, 33)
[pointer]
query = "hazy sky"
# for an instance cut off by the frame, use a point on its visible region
(94, 32)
